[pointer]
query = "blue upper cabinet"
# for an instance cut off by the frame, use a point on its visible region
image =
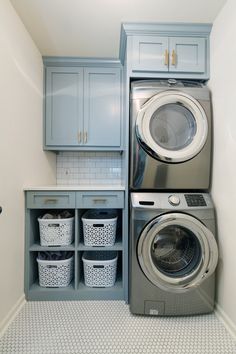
(165, 50)
(64, 106)
(82, 105)
(187, 54)
(102, 107)
(150, 53)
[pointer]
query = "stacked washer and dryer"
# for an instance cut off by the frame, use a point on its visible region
(173, 250)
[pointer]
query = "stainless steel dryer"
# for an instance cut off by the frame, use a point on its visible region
(170, 135)
(173, 254)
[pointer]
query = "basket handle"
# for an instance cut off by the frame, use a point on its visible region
(51, 266)
(98, 225)
(53, 225)
(98, 266)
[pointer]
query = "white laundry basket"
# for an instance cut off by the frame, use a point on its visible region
(55, 274)
(56, 232)
(100, 268)
(99, 227)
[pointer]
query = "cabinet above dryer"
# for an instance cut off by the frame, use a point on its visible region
(82, 104)
(166, 50)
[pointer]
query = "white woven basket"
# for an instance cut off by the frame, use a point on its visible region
(99, 232)
(100, 268)
(55, 274)
(56, 232)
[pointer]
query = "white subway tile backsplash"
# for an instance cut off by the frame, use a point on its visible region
(80, 168)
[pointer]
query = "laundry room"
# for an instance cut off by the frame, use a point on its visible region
(117, 188)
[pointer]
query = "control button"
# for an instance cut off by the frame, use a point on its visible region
(195, 200)
(172, 81)
(174, 200)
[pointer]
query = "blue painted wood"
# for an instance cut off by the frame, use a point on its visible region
(160, 29)
(184, 55)
(50, 200)
(64, 106)
(190, 54)
(36, 202)
(83, 105)
(102, 107)
(81, 62)
(191, 41)
(101, 199)
(149, 53)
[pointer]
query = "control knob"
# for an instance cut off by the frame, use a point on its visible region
(174, 200)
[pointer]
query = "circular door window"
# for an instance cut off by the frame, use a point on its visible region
(172, 126)
(177, 252)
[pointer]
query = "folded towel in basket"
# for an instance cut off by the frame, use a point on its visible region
(54, 255)
(57, 215)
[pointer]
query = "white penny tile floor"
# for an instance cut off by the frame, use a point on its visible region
(107, 327)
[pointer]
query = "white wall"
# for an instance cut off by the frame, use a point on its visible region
(93, 26)
(223, 86)
(22, 160)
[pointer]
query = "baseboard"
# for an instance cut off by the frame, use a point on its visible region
(227, 322)
(11, 315)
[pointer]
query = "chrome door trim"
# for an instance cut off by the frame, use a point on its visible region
(209, 253)
(146, 140)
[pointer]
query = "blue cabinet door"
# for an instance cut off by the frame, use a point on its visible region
(64, 106)
(102, 107)
(150, 53)
(187, 54)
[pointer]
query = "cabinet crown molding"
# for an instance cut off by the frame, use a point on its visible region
(80, 61)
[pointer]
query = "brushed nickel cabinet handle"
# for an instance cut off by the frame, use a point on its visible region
(166, 62)
(173, 57)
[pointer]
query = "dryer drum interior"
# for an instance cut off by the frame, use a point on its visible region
(175, 251)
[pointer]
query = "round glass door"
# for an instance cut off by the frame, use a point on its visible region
(172, 126)
(177, 252)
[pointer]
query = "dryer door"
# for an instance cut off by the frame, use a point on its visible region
(177, 252)
(172, 127)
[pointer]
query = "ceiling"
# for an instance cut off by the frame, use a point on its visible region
(91, 28)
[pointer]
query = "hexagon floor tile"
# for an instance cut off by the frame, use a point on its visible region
(107, 327)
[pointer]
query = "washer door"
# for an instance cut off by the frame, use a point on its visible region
(172, 127)
(177, 252)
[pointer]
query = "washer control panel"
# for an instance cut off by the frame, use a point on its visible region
(174, 200)
(195, 200)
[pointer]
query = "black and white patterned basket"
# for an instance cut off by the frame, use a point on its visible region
(55, 274)
(100, 268)
(56, 232)
(99, 227)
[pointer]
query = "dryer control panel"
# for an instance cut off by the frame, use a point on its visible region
(195, 200)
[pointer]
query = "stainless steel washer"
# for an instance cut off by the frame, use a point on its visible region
(173, 254)
(170, 135)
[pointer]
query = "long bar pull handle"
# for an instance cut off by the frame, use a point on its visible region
(79, 136)
(166, 61)
(85, 137)
(173, 57)
(99, 200)
(50, 201)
